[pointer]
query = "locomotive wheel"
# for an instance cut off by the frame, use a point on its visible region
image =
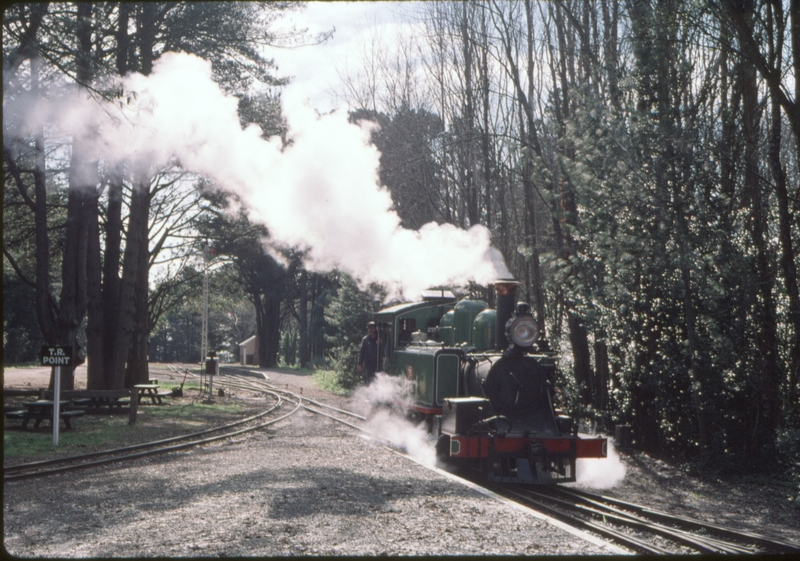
(414, 417)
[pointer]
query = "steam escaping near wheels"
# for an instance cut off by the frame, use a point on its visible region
(384, 403)
(600, 473)
(320, 192)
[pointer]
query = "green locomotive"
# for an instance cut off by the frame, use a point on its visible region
(483, 383)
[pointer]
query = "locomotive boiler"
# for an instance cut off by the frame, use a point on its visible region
(483, 383)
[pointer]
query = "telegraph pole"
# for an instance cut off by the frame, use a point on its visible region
(204, 330)
(208, 255)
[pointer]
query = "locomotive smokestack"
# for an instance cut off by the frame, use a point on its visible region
(506, 290)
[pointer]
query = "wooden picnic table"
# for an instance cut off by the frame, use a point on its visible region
(41, 410)
(94, 401)
(150, 391)
(101, 403)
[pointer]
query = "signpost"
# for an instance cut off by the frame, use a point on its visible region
(56, 357)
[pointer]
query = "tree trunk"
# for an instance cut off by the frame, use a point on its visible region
(470, 182)
(111, 275)
(137, 371)
(46, 309)
(101, 345)
(74, 297)
(767, 321)
(95, 322)
(486, 148)
(82, 194)
(582, 366)
(303, 320)
(568, 204)
(132, 329)
(268, 317)
(126, 321)
(602, 375)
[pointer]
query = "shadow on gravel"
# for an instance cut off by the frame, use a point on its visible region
(118, 492)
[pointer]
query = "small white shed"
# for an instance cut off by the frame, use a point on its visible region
(248, 350)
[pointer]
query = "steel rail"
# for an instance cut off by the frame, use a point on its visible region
(18, 472)
(624, 539)
(296, 396)
(757, 539)
(263, 385)
(149, 452)
(332, 408)
(73, 463)
(713, 542)
(43, 463)
(324, 405)
(342, 421)
(698, 543)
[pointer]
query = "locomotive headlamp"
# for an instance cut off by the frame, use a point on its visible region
(522, 329)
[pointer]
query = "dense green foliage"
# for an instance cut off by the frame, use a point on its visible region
(347, 315)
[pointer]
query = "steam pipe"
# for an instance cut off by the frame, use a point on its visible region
(506, 290)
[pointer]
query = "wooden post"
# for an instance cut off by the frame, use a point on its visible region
(134, 406)
(56, 404)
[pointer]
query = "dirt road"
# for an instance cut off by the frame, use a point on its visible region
(37, 377)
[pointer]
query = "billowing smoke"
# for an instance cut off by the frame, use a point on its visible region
(383, 403)
(600, 473)
(320, 193)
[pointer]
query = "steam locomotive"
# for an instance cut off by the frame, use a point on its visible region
(483, 382)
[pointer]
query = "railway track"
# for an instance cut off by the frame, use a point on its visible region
(252, 423)
(248, 382)
(640, 528)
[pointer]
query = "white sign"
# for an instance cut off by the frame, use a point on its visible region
(56, 356)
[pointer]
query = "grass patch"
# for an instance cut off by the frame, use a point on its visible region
(33, 444)
(328, 380)
(183, 411)
(295, 369)
(91, 433)
(285, 368)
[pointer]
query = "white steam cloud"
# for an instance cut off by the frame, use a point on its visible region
(383, 403)
(600, 473)
(320, 193)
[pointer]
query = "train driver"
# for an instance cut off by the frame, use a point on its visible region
(368, 355)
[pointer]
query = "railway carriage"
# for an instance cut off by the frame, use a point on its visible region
(483, 382)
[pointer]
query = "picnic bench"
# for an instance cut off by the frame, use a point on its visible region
(42, 410)
(150, 391)
(96, 401)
